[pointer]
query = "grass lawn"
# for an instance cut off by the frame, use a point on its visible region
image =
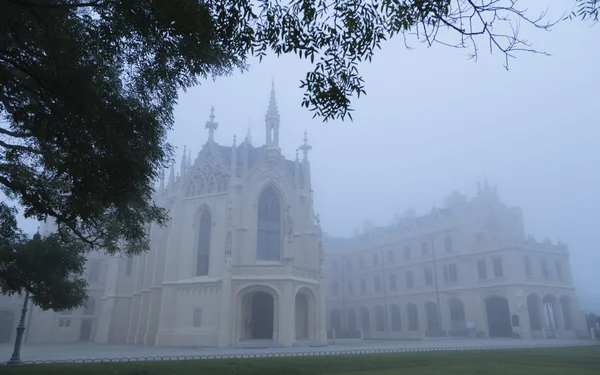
(555, 361)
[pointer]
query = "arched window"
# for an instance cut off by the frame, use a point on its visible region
(351, 320)
(533, 307)
(396, 317)
(336, 320)
(433, 321)
(203, 244)
(379, 318)
(364, 319)
(269, 226)
(565, 304)
(457, 314)
(413, 317)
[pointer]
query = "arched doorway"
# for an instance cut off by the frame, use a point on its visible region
(7, 319)
(498, 317)
(433, 319)
(351, 315)
(534, 306)
(258, 316)
(565, 304)
(551, 313)
(458, 321)
(302, 320)
(335, 320)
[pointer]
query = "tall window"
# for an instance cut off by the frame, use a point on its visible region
(425, 248)
(363, 286)
(396, 317)
(375, 259)
(350, 287)
(406, 252)
(393, 282)
(448, 244)
(559, 273)
(482, 269)
(203, 244)
(361, 262)
(498, 270)
(413, 317)
(450, 273)
(545, 271)
(528, 270)
(89, 308)
(409, 279)
(377, 283)
(390, 256)
(269, 226)
(428, 276)
(334, 265)
(379, 318)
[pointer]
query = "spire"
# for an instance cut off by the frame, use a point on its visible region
(189, 159)
(184, 161)
(249, 134)
(172, 172)
(211, 125)
(233, 165)
(272, 120)
(161, 187)
(272, 111)
(305, 147)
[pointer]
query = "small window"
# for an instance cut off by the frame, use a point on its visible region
(425, 248)
(498, 270)
(409, 279)
(350, 287)
(375, 259)
(334, 288)
(363, 286)
(448, 244)
(406, 252)
(377, 284)
(197, 322)
(428, 276)
(390, 256)
(64, 323)
(482, 269)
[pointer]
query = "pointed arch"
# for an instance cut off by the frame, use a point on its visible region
(269, 239)
(203, 247)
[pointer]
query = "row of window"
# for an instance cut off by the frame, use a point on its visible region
(449, 271)
(545, 271)
(394, 319)
(425, 251)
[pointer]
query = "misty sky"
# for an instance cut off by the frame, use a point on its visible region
(433, 122)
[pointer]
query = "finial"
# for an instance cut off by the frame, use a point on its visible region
(297, 154)
(234, 138)
(272, 111)
(305, 147)
(37, 236)
(211, 125)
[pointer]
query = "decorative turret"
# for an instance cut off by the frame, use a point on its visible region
(211, 125)
(272, 121)
(297, 171)
(189, 159)
(172, 173)
(305, 164)
(232, 172)
(161, 186)
(183, 161)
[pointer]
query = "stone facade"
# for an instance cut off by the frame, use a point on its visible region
(466, 269)
(239, 261)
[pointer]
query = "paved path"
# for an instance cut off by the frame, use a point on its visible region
(83, 351)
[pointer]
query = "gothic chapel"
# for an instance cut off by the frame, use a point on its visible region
(239, 262)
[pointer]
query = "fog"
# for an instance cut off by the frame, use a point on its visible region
(433, 122)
